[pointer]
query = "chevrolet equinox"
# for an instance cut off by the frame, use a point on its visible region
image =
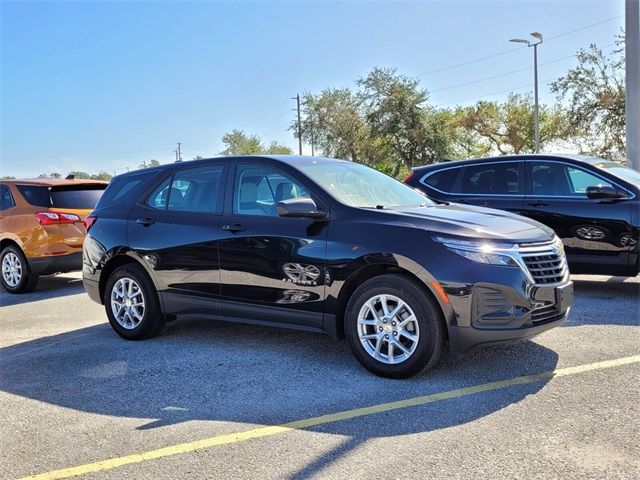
(320, 245)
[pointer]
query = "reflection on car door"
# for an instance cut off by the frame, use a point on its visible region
(494, 185)
(272, 268)
(594, 232)
(176, 232)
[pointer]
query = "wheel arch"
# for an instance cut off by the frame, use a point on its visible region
(117, 261)
(420, 277)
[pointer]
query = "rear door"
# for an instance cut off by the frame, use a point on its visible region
(596, 233)
(494, 185)
(175, 231)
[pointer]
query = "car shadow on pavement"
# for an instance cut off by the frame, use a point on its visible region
(48, 287)
(616, 300)
(209, 370)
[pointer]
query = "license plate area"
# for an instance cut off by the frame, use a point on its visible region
(564, 297)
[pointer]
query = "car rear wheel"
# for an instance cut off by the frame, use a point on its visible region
(132, 305)
(17, 276)
(394, 328)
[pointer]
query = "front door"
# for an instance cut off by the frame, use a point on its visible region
(175, 231)
(272, 268)
(596, 233)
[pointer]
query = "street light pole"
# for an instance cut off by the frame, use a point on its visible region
(536, 110)
(536, 118)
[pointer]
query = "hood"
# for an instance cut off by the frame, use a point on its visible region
(475, 222)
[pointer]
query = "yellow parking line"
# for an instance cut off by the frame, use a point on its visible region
(321, 420)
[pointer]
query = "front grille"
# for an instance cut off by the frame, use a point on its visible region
(546, 266)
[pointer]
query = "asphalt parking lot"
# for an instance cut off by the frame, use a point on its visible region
(208, 399)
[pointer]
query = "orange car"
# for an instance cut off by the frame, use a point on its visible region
(42, 229)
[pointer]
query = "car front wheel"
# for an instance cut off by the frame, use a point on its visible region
(131, 303)
(394, 328)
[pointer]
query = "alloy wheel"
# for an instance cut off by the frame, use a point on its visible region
(11, 269)
(127, 303)
(388, 329)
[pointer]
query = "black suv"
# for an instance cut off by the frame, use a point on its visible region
(592, 204)
(321, 245)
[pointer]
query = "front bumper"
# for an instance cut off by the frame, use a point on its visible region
(489, 313)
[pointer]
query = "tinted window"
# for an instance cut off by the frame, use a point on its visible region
(84, 197)
(443, 180)
(35, 195)
(190, 190)
(259, 188)
(6, 200)
(562, 180)
(492, 179)
(119, 187)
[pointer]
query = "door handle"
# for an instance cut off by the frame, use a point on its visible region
(234, 228)
(538, 204)
(145, 221)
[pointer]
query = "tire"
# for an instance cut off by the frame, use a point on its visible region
(133, 321)
(16, 267)
(427, 324)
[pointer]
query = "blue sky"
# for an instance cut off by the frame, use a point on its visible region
(92, 86)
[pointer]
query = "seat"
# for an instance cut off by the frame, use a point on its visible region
(284, 191)
(485, 182)
(248, 203)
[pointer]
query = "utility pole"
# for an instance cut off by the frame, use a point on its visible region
(312, 142)
(536, 112)
(297, 99)
(632, 81)
(178, 153)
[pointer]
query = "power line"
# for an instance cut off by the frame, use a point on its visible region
(504, 52)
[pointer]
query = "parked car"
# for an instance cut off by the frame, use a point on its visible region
(321, 245)
(41, 228)
(592, 204)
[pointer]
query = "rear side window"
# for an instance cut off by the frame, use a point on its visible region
(191, 190)
(492, 179)
(120, 187)
(36, 195)
(6, 200)
(442, 180)
(82, 197)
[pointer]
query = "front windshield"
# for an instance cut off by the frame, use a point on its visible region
(360, 186)
(628, 174)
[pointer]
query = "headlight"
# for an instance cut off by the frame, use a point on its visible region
(479, 251)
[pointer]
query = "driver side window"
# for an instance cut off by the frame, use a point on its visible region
(259, 188)
(555, 179)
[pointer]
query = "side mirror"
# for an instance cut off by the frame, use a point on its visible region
(300, 208)
(603, 192)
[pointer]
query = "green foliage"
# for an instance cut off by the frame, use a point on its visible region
(152, 163)
(508, 126)
(239, 143)
(198, 157)
(102, 175)
(277, 149)
(595, 93)
(80, 175)
(7, 177)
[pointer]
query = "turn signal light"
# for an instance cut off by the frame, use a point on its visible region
(50, 218)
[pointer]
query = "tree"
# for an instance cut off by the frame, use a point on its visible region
(102, 175)
(50, 175)
(338, 126)
(595, 93)
(152, 163)
(198, 157)
(397, 111)
(277, 149)
(239, 143)
(80, 175)
(508, 127)
(7, 177)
